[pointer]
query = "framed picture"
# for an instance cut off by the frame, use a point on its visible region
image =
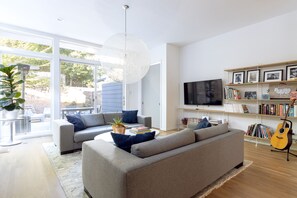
(253, 76)
(238, 77)
(291, 71)
(250, 95)
(273, 76)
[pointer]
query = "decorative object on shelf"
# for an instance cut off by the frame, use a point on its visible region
(281, 91)
(265, 96)
(11, 100)
(291, 71)
(250, 95)
(184, 121)
(125, 56)
(118, 126)
(273, 76)
(253, 76)
(238, 77)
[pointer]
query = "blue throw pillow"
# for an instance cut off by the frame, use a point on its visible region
(76, 121)
(203, 124)
(130, 116)
(126, 141)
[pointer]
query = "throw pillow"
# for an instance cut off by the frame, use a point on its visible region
(203, 124)
(76, 121)
(126, 141)
(130, 116)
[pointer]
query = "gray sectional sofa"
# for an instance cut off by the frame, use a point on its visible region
(68, 141)
(175, 166)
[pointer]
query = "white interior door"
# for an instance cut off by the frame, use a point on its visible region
(151, 95)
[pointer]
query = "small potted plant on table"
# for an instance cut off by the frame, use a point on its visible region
(118, 126)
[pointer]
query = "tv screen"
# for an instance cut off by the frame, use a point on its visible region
(209, 92)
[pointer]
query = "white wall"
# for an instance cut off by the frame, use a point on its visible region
(132, 96)
(273, 40)
(172, 73)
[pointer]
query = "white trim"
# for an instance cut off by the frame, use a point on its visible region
(55, 81)
(7, 27)
(27, 53)
(79, 60)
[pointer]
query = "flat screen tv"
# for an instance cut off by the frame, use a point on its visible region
(209, 92)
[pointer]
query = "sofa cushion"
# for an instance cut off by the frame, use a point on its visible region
(202, 134)
(130, 116)
(203, 124)
(126, 141)
(91, 120)
(161, 145)
(108, 117)
(76, 121)
(90, 133)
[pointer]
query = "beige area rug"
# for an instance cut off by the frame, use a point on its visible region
(68, 170)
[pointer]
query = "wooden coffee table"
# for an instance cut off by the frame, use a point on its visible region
(107, 136)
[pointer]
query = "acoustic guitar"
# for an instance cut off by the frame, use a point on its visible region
(282, 138)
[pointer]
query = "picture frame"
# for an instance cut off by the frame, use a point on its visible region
(253, 76)
(238, 77)
(273, 76)
(250, 95)
(291, 72)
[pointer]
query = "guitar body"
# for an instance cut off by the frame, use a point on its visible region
(282, 138)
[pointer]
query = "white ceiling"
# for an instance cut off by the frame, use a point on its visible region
(155, 21)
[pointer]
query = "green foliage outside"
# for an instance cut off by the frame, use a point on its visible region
(76, 75)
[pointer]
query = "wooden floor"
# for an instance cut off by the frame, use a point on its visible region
(25, 171)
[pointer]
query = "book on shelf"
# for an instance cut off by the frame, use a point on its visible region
(231, 93)
(259, 130)
(236, 108)
(245, 108)
(277, 109)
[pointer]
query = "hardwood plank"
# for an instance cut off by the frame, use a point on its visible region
(26, 172)
(269, 176)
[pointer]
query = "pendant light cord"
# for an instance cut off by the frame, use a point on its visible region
(125, 8)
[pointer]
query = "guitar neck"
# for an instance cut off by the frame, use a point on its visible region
(287, 113)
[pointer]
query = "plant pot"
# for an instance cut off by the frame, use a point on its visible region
(11, 114)
(119, 129)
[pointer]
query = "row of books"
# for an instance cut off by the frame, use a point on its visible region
(237, 108)
(231, 93)
(278, 109)
(259, 130)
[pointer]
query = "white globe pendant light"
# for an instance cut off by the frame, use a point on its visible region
(125, 57)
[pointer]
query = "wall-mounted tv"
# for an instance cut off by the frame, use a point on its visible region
(209, 92)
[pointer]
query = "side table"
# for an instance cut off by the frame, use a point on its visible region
(11, 121)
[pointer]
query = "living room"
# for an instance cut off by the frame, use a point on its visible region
(202, 41)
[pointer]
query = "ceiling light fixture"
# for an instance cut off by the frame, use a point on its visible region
(125, 56)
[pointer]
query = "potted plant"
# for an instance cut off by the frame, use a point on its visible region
(118, 126)
(10, 97)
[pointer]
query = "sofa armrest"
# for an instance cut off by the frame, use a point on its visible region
(109, 177)
(145, 120)
(63, 135)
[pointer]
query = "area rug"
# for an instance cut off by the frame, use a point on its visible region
(68, 170)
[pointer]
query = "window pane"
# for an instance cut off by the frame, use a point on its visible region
(25, 42)
(36, 92)
(79, 51)
(77, 87)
